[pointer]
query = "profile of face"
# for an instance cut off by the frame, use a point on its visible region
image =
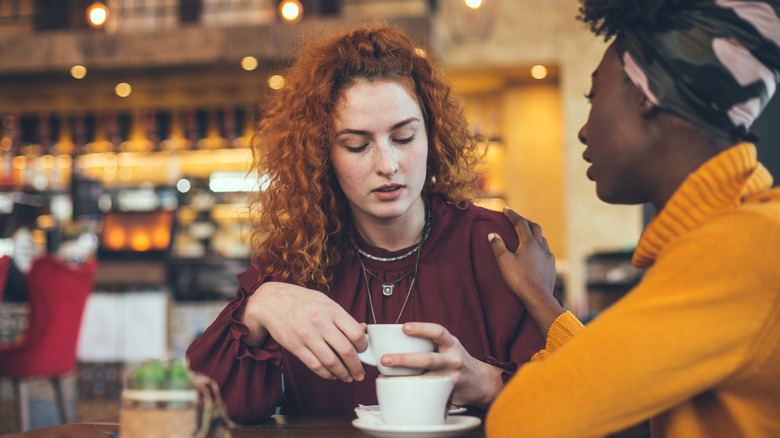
(617, 145)
(380, 150)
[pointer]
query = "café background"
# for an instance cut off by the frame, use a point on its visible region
(194, 73)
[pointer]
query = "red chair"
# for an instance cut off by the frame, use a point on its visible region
(5, 265)
(57, 294)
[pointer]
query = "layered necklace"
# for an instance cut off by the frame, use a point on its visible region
(388, 286)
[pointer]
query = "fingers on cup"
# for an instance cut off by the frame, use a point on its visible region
(421, 361)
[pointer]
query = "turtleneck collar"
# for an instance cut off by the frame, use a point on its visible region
(724, 182)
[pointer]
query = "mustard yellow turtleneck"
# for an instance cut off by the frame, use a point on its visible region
(695, 347)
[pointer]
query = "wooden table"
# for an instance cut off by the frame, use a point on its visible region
(282, 426)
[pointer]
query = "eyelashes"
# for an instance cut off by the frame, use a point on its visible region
(357, 149)
(363, 147)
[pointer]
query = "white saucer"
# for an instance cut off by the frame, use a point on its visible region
(454, 426)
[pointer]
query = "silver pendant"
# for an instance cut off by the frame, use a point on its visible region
(387, 289)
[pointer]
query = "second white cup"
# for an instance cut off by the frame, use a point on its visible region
(389, 338)
(414, 400)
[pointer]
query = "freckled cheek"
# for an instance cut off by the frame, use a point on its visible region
(416, 162)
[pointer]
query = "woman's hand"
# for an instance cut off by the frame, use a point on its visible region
(530, 271)
(309, 325)
(476, 383)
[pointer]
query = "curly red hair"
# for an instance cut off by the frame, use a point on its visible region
(302, 221)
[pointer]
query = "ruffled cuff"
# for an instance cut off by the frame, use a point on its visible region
(270, 351)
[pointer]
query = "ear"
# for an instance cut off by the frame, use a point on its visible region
(647, 109)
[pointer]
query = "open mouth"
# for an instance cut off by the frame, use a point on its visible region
(387, 189)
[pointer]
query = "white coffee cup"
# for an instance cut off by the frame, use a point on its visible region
(414, 400)
(389, 338)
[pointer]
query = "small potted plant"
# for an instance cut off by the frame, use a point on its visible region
(159, 400)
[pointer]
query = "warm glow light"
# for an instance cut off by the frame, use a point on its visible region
(291, 10)
(473, 4)
(78, 71)
(420, 52)
(276, 82)
(538, 72)
(249, 63)
(161, 237)
(46, 161)
(45, 221)
(123, 89)
(97, 14)
(19, 162)
(116, 239)
(140, 241)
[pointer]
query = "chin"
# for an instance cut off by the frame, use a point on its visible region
(387, 211)
(606, 195)
(619, 198)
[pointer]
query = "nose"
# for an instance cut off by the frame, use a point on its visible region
(386, 160)
(582, 134)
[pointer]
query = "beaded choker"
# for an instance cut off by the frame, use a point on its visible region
(418, 247)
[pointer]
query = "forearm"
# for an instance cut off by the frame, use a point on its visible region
(544, 310)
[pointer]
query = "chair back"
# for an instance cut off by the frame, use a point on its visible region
(5, 265)
(57, 294)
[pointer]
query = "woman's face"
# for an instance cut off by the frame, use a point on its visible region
(380, 150)
(618, 148)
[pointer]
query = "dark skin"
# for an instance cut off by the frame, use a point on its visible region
(638, 153)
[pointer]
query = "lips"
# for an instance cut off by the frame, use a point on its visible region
(588, 173)
(388, 192)
(586, 157)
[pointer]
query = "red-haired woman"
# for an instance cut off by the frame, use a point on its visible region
(367, 218)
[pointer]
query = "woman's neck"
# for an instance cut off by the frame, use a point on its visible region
(393, 234)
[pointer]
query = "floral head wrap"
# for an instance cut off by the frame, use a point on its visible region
(715, 63)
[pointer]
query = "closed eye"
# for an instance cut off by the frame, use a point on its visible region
(357, 149)
(404, 140)
(589, 96)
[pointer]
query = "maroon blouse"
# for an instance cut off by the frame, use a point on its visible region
(458, 286)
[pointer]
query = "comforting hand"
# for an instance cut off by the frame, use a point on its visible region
(529, 271)
(309, 325)
(476, 383)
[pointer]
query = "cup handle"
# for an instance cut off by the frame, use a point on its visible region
(367, 356)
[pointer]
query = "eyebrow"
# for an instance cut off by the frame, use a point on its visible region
(392, 128)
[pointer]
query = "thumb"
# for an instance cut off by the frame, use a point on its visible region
(497, 245)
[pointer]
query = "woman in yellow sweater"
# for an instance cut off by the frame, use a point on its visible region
(695, 347)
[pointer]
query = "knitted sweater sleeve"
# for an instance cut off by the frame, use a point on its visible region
(565, 327)
(693, 323)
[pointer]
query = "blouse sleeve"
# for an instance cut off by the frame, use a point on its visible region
(249, 378)
(513, 335)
